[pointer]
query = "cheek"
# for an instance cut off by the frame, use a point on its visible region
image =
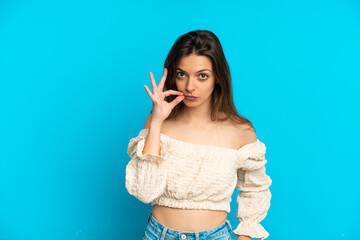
(210, 88)
(179, 85)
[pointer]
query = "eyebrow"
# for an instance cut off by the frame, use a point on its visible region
(197, 71)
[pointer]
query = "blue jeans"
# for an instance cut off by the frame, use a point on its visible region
(156, 231)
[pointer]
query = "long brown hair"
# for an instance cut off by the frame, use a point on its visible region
(204, 43)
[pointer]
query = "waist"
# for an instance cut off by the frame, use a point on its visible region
(194, 220)
(222, 205)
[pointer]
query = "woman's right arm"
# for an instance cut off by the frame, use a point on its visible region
(160, 111)
(146, 172)
(152, 143)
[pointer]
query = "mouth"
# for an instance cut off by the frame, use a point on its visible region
(190, 97)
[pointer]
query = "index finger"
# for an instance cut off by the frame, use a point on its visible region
(162, 81)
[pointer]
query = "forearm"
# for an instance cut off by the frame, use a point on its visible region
(152, 143)
(145, 173)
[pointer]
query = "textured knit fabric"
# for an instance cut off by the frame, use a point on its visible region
(196, 176)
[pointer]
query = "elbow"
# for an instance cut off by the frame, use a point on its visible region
(144, 192)
(145, 197)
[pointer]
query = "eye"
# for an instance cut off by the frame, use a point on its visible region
(205, 76)
(178, 74)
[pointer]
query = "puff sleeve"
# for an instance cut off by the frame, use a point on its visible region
(254, 199)
(145, 176)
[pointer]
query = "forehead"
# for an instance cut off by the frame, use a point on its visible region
(194, 63)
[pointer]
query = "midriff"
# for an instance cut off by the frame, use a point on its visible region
(194, 220)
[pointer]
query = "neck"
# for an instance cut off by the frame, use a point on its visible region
(196, 116)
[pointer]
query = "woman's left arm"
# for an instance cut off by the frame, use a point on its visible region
(254, 199)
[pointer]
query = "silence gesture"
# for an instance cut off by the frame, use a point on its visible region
(161, 109)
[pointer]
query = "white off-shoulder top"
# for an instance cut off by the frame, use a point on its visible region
(195, 176)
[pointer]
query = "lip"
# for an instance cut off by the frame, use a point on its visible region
(190, 97)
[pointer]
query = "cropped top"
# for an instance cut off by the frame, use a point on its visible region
(195, 176)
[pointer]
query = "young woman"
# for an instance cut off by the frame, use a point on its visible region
(194, 149)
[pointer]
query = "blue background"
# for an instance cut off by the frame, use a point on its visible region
(72, 96)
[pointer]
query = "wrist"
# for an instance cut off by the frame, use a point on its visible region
(155, 124)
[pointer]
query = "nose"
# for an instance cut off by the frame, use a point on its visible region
(190, 85)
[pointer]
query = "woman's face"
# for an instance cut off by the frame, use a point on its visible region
(194, 77)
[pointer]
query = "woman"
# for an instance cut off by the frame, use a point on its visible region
(194, 149)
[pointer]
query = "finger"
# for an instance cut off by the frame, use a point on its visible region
(176, 101)
(153, 83)
(172, 92)
(149, 92)
(162, 81)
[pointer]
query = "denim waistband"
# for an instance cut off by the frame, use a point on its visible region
(177, 234)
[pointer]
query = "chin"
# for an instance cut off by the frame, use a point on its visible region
(191, 104)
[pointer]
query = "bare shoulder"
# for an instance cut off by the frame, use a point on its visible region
(147, 121)
(244, 134)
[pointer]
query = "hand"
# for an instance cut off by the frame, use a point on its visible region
(161, 109)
